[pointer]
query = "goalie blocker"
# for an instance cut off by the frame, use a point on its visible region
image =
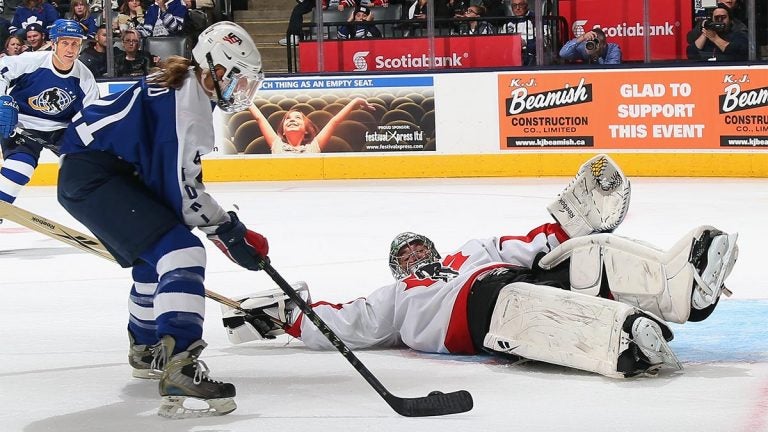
(267, 313)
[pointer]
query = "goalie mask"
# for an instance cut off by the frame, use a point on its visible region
(408, 252)
(228, 45)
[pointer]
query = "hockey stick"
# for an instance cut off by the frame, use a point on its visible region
(435, 404)
(81, 241)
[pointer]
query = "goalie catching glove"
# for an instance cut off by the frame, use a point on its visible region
(596, 201)
(243, 246)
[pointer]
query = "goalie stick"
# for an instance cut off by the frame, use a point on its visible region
(79, 240)
(434, 404)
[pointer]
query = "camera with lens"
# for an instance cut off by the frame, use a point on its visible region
(591, 45)
(716, 26)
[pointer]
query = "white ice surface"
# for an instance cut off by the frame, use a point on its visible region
(63, 342)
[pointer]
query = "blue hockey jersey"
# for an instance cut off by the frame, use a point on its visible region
(162, 132)
(25, 16)
(47, 98)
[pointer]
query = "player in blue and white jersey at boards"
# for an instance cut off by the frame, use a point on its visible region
(131, 173)
(40, 92)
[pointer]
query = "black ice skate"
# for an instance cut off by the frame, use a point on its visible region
(142, 360)
(184, 376)
(713, 255)
(648, 350)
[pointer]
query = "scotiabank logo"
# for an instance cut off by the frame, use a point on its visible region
(636, 29)
(359, 59)
(409, 61)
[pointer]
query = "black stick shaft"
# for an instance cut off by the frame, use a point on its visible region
(436, 403)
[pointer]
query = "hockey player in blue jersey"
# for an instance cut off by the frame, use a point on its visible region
(131, 173)
(40, 92)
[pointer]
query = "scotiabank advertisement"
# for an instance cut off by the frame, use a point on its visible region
(696, 108)
(669, 23)
(412, 54)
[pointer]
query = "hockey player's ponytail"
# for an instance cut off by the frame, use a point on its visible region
(171, 72)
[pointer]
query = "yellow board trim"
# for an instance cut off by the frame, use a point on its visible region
(491, 165)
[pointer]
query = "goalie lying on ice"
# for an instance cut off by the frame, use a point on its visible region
(598, 302)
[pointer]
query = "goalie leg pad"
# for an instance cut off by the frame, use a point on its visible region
(595, 201)
(668, 284)
(570, 329)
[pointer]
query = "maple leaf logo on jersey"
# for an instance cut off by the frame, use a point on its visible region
(51, 101)
(430, 273)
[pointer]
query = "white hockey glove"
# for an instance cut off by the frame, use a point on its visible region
(268, 312)
(595, 201)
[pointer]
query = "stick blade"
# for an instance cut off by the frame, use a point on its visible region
(434, 404)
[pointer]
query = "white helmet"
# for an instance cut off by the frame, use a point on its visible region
(229, 45)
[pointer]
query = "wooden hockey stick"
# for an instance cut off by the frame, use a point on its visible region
(81, 241)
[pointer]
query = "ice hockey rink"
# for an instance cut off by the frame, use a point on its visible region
(63, 315)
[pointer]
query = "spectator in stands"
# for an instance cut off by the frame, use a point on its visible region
(360, 25)
(36, 38)
(297, 17)
(131, 16)
(473, 24)
(493, 8)
(164, 18)
(522, 23)
(80, 12)
(14, 45)
(296, 133)
(205, 7)
(33, 11)
(715, 40)
(95, 55)
(591, 47)
(738, 14)
(133, 61)
(444, 11)
(97, 5)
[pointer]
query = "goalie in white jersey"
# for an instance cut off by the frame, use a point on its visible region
(596, 302)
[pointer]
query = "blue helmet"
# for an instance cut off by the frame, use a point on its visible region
(65, 28)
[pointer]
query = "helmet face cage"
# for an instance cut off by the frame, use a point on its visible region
(410, 240)
(238, 91)
(226, 44)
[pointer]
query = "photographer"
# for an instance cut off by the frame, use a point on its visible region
(714, 39)
(591, 47)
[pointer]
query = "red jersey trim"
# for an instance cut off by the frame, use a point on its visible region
(295, 329)
(547, 229)
(457, 338)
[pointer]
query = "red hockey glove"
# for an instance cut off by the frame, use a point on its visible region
(243, 246)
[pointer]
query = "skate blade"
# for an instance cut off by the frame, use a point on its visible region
(150, 374)
(183, 407)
